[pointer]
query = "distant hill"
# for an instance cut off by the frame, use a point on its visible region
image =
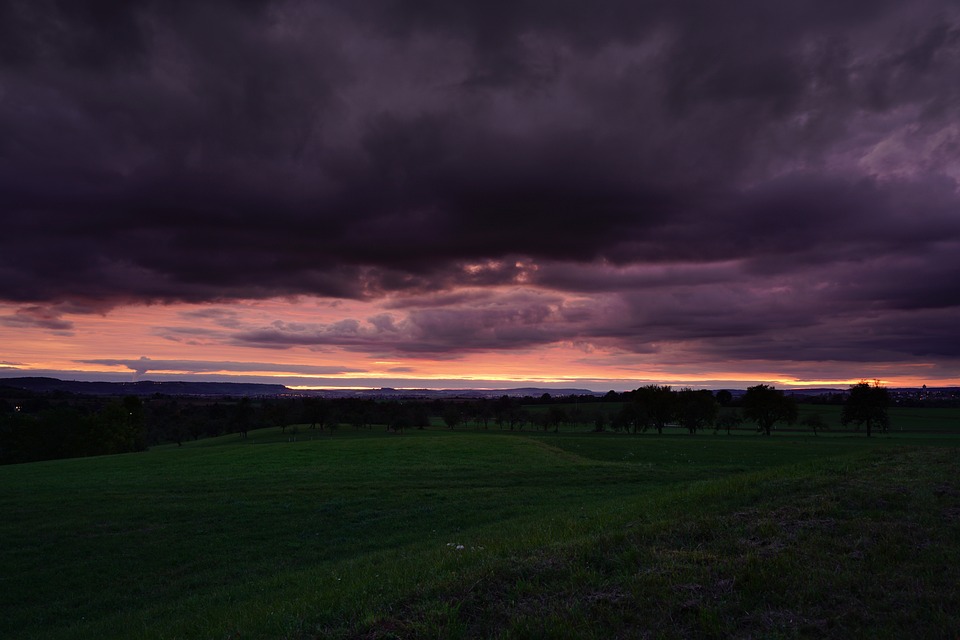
(387, 392)
(810, 391)
(144, 388)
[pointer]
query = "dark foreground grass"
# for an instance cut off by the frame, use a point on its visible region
(439, 534)
(863, 547)
(903, 420)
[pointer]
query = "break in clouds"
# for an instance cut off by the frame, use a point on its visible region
(755, 180)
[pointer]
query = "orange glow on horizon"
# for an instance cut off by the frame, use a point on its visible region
(176, 337)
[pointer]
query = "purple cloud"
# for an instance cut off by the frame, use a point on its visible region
(143, 365)
(38, 316)
(754, 180)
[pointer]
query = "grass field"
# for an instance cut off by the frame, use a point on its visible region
(486, 534)
(903, 420)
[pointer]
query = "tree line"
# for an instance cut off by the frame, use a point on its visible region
(41, 427)
(654, 407)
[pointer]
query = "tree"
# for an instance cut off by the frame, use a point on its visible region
(555, 416)
(816, 422)
(867, 405)
(318, 412)
(575, 415)
(452, 416)
(625, 419)
(117, 428)
(599, 421)
(766, 406)
(277, 414)
(508, 411)
(540, 420)
(502, 409)
(724, 397)
(484, 413)
(419, 416)
(521, 417)
(728, 421)
(657, 406)
(399, 418)
(696, 409)
(242, 417)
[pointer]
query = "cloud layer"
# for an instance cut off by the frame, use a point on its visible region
(771, 181)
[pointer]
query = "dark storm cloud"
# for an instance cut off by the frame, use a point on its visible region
(658, 154)
(220, 316)
(39, 317)
(144, 365)
(506, 322)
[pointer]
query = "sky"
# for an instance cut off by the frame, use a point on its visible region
(481, 193)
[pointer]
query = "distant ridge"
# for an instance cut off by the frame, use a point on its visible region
(220, 389)
(387, 392)
(144, 388)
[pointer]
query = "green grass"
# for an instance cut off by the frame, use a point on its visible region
(862, 548)
(562, 535)
(912, 421)
(902, 419)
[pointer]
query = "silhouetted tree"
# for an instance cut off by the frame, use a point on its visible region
(243, 416)
(520, 418)
(728, 421)
(724, 397)
(452, 416)
(277, 414)
(508, 411)
(135, 424)
(657, 406)
(419, 416)
(696, 409)
(575, 415)
(56, 431)
(628, 418)
(217, 420)
(599, 421)
(540, 420)
(766, 406)
(867, 405)
(399, 418)
(501, 411)
(177, 427)
(816, 423)
(555, 416)
(484, 413)
(196, 423)
(118, 427)
(359, 413)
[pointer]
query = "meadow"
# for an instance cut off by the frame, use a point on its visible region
(910, 421)
(477, 534)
